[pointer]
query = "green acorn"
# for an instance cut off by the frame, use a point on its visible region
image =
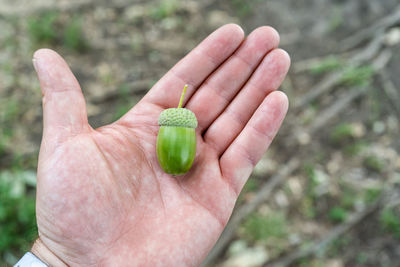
(176, 140)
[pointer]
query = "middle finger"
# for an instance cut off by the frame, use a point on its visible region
(221, 87)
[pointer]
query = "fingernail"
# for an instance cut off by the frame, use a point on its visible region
(34, 62)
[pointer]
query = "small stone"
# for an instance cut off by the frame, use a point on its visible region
(356, 174)
(378, 127)
(264, 209)
(236, 247)
(358, 130)
(359, 205)
(295, 187)
(294, 239)
(322, 180)
(264, 166)
(281, 199)
(93, 110)
(250, 257)
(332, 166)
(170, 23)
(397, 163)
(334, 263)
(392, 37)
(134, 12)
(303, 138)
(392, 124)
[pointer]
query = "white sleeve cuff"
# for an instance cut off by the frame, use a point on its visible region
(30, 260)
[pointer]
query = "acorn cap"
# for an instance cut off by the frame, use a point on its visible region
(178, 117)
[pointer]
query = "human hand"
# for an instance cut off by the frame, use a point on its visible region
(102, 198)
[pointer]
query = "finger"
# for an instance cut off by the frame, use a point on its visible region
(221, 87)
(64, 108)
(246, 150)
(196, 66)
(267, 78)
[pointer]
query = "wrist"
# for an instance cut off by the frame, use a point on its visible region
(41, 251)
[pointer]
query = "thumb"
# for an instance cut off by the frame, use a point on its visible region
(64, 107)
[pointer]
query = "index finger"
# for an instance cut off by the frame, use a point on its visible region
(195, 67)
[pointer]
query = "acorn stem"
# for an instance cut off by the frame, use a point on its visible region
(182, 96)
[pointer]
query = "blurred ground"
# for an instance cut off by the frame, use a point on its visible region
(328, 191)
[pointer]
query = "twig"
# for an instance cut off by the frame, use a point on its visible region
(382, 60)
(390, 91)
(328, 113)
(358, 58)
(262, 195)
(338, 106)
(370, 51)
(393, 204)
(324, 86)
(308, 63)
(327, 239)
(382, 202)
(336, 77)
(370, 31)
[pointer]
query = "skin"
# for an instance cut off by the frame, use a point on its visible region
(102, 198)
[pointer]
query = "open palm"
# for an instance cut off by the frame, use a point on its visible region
(102, 198)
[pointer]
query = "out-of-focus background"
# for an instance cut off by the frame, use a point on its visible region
(327, 193)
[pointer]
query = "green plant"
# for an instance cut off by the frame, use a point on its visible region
(362, 258)
(121, 110)
(374, 105)
(242, 8)
(374, 163)
(42, 28)
(390, 222)
(341, 132)
(125, 100)
(9, 38)
(9, 112)
(358, 75)
(124, 91)
(250, 186)
(348, 197)
(336, 19)
(264, 227)
(310, 262)
(338, 245)
(326, 65)
(355, 148)
(312, 181)
(337, 214)
(372, 194)
(17, 212)
(74, 37)
(9, 42)
(7, 67)
(165, 9)
(307, 206)
(46, 29)
(3, 145)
